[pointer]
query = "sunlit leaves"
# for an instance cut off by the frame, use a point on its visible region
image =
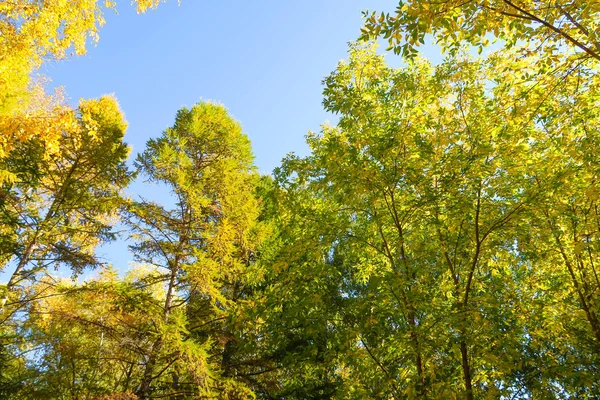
(548, 27)
(31, 33)
(59, 207)
(420, 193)
(202, 245)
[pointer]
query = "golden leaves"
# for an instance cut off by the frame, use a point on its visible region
(144, 5)
(30, 33)
(44, 118)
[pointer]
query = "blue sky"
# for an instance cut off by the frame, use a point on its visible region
(263, 60)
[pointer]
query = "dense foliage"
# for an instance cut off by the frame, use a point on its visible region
(440, 241)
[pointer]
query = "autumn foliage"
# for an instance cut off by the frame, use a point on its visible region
(441, 240)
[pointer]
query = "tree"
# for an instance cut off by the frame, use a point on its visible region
(203, 245)
(32, 32)
(289, 342)
(59, 209)
(421, 191)
(561, 239)
(86, 340)
(551, 25)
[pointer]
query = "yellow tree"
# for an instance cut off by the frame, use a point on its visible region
(86, 338)
(31, 33)
(57, 210)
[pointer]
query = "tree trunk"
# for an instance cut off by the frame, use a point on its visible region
(22, 263)
(144, 388)
(466, 371)
(421, 387)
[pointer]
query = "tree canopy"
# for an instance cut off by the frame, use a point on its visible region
(440, 240)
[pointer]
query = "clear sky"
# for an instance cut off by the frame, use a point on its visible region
(263, 60)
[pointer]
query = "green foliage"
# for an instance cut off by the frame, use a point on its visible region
(58, 209)
(421, 192)
(204, 246)
(546, 26)
(441, 240)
